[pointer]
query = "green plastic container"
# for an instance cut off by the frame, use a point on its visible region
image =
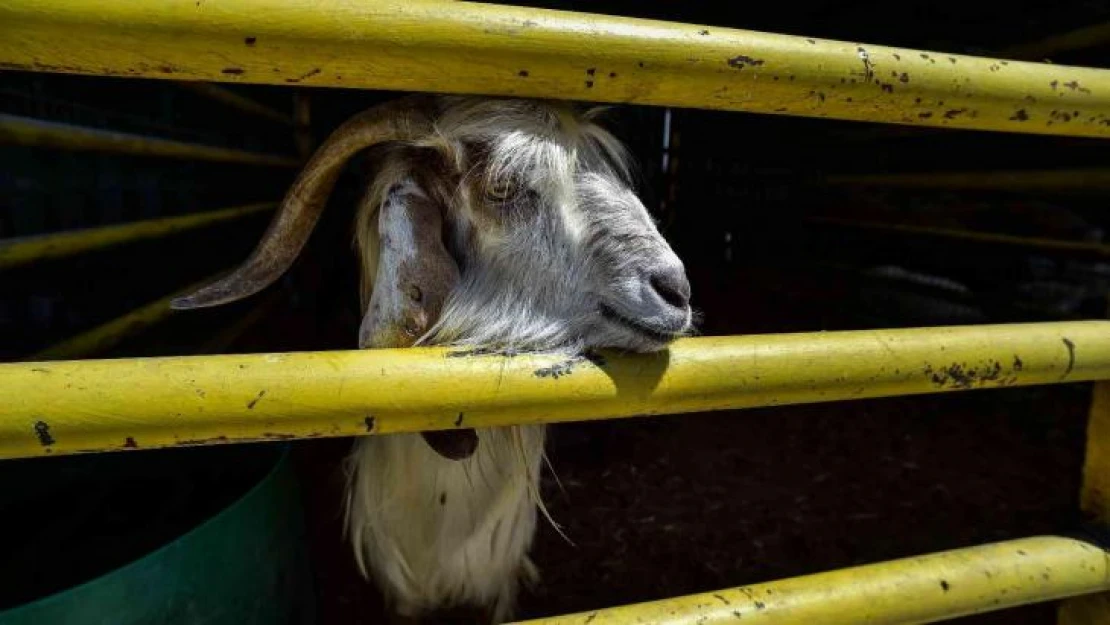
(191, 536)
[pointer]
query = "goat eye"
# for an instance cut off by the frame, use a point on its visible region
(499, 193)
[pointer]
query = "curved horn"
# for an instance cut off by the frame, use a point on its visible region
(399, 120)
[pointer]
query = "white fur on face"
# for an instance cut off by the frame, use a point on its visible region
(547, 234)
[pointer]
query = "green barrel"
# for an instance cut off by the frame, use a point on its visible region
(205, 535)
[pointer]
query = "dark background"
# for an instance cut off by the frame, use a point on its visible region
(670, 505)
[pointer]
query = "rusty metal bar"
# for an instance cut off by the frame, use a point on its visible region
(923, 589)
(1037, 243)
(522, 51)
(38, 133)
(109, 334)
(1078, 39)
(1090, 179)
(242, 103)
(23, 251)
(97, 405)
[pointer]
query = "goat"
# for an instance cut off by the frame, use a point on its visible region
(501, 223)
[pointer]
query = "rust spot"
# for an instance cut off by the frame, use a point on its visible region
(811, 41)
(612, 74)
(254, 402)
(370, 423)
(722, 599)
(589, 84)
(1054, 84)
(759, 605)
(130, 443)
(459, 419)
(1018, 364)
(703, 32)
(741, 61)
(250, 41)
(961, 376)
(522, 73)
(897, 57)
(887, 88)
(944, 584)
(590, 71)
(954, 113)
(42, 430)
(443, 499)
(233, 71)
(1020, 116)
(925, 115)
(904, 77)
(304, 76)
(1075, 86)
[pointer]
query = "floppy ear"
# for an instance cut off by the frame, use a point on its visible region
(415, 272)
(414, 277)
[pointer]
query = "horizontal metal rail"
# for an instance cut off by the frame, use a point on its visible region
(38, 133)
(1078, 39)
(238, 102)
(226, 337)
(111, 333)
(924, 589)
(1092, 179)
(26, 250)
(87, 406)
(1036, 243)
(522, 51)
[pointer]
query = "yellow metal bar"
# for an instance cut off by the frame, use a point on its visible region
(924, 589)
(1095, 502)
(1097, 178)
(38, 133)
(1079, 39)
(111, 333)
(1053, 245)
(523, 51)
(16, 252)
(228, 335)
(97, 405)
(236, 101)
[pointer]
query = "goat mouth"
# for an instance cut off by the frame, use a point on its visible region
(639, 327)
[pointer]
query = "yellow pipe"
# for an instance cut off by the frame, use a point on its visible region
(236, 101)
(38, 133)
(228, 335)
(909, 591)
(97, 405)
(1095, 502)
(16, 252)
(1079, 39)
(522, 51)
(1054, 245)
(111, 333)
(1095, 178)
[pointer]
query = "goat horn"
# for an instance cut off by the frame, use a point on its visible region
(399, 120)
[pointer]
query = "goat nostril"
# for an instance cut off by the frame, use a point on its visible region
(672, 287)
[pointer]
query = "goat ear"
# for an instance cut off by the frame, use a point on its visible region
(415, 272)
(414, 277)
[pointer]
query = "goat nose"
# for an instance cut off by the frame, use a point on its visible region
(671, 286)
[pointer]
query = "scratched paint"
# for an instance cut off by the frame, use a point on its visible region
(158, 402)
(504, 50)
(923, 589)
